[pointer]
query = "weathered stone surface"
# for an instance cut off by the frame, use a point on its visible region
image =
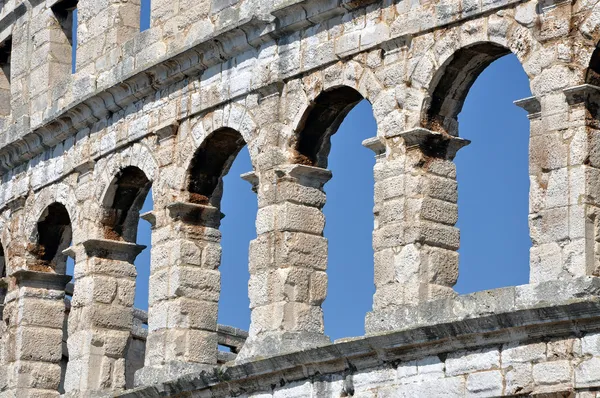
(170, 108)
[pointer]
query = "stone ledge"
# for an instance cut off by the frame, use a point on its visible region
(523, 313)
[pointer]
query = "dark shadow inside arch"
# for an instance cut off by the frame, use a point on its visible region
(593, 72)
(453, 82)
(53, 236)
(210, 163)
(124, 199)
(321, 120)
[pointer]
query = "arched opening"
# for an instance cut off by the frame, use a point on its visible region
(54, 235)
(123, 201)
(330, 136)
(453, 82)
(218, 163)
(477, 87)
(126, 197)
(210, 164)
(320, 122)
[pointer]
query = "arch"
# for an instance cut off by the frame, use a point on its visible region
(452, 81)
(53, 235)
(122, 203)
(320, 121)
(210, 163)
(137, 155)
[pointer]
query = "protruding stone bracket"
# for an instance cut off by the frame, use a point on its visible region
(110, 249)
(150, 218)
(195, 214)
(252, 178)
(167, 131)
(375, 144)
(582, 94)
(531, 105)
(305, 175)
(431, 143)
(46, 280)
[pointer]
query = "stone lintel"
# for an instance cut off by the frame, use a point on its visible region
(531, 105)
(494, 317)
(582, 94)
(193, 213)
(37, 279)
(111, 249)
(375, 144)
(431, 143)
(303, 172)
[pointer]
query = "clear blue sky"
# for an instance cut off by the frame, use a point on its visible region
(493, 202)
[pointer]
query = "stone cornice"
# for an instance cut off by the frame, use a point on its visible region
(528, 312)
(221, 45)
(106, 248)
(36, 279)
(531, 105)
(195, 214)
(432, 143)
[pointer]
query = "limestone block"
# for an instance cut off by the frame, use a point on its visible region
(485, 384)
(290, 217)
(467, 362)
(587, 373)
(519, 379)
(288, 249)
(516, 353)
(194, 282)
(185, 313)
(192, 346)
(40, 344)
(556, 372)
(590, 344)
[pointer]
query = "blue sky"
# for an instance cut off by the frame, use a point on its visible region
(493, 202)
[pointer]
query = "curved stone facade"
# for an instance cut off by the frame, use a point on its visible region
(169, 108)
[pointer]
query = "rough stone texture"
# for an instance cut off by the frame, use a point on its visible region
(170, 108)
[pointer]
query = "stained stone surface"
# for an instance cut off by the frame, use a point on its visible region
(169, 109)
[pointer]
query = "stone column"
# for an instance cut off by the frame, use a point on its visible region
(34, 315)
(564, 162)
(288, 260)
(185, 284)
(101, 316)
(414, 238)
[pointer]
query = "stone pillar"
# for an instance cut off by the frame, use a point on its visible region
(288, 260)
(101, 316)
(185, 284)
(564, 168)
(34, 315)
(414, 238)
